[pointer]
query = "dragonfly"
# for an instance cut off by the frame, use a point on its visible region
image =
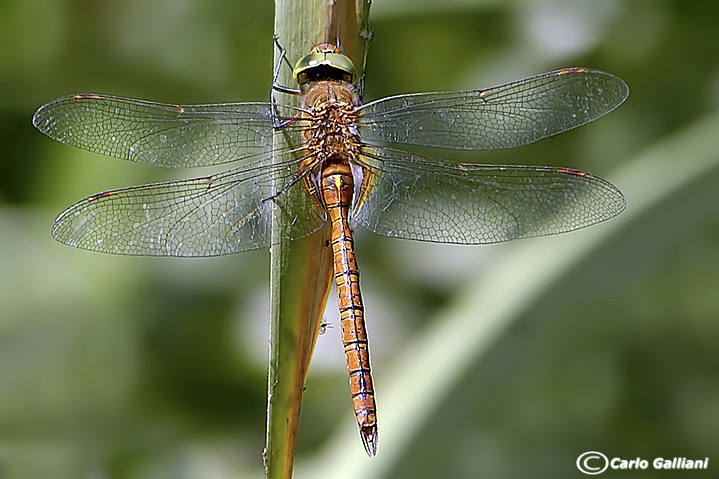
(344, 164)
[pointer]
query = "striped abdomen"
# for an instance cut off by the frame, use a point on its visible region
(337, 189)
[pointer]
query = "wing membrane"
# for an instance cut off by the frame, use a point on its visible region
(156, 133)
(208, 216)
(429, 200)
(504, 116)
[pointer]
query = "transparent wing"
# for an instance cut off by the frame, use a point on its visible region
(156, 133)
(208, 216)
(421, 199)
(504, 116)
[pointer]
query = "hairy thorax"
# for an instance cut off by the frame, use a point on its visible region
(331, 138)
(331, 122)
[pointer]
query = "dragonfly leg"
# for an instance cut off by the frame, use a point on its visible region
(276, 87)
(283, 52)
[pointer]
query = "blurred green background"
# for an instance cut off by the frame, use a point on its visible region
(119, 367)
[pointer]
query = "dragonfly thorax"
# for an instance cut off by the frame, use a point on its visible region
(331, 94)
(330, 131)
(331, 120)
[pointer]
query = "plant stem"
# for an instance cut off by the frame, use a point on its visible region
(301, 270)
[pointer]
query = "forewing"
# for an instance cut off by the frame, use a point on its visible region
(156, 133)
(208, 216)
(504, 116)
(415, 198)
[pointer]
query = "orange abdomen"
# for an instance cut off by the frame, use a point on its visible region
(337, 188)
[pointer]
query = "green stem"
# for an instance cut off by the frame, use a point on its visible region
(300, 271)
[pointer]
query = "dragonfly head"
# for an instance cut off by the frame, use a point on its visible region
(324, 62)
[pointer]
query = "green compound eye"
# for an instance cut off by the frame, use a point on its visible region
(324, 66)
